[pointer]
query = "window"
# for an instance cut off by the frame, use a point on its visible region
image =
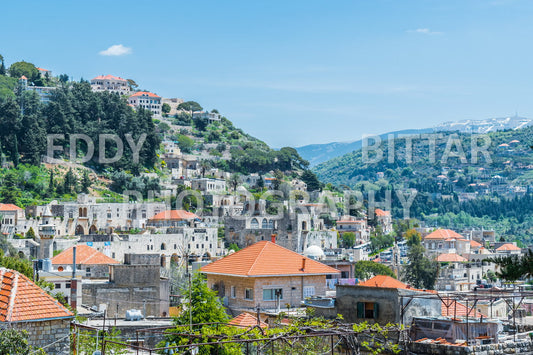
(57, 286)
(233, 292)
(67, 285)
(309, 291)
(248, 294)
(272, 294)
(367, 310)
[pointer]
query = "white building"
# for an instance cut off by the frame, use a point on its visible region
(146, 100)
(209, 116)
(110, 83)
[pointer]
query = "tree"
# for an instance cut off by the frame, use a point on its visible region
(311, 180)
(87, 342)
(185, 143)
(14, 342)
(348, 239)
(9, 191)
(30, 234)
(63, 78)
(190, 106)
(165, 108)
(133, 85)
(69, 183)
(234, 181)
(366, 269)
(2, 66)
(421, 272)
(18, 69)
(85, 182)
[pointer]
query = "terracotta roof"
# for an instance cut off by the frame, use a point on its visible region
(9, 207)
(108, 77)
(85, 255)
(450, 257)
(22, 300)
(443, 234)
(508, 247)
(381, 213)
(41, 69)
(144, 93)
(24, 77)
(265, 258)
(457, 309)
(475, 244)
(174, 215)
(246, 320)
(383, 281)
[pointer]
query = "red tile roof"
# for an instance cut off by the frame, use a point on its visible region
(108, 77)
(24, 77)
(457, 309)
(85, 255)
(144, 93)
(450, 257)
(22, 300)
(381, 213)
(508, 247)
(443, 234)
(383, 281)
(246, 320)
(9, 207)
(267, 259)
(174, 215)
(474, 244)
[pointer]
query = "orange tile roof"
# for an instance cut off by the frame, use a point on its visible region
(9, 207)
(457, 309)
(144, 93)
(475, 244)
(246, 320)
(508, 247)
(383, 281)
(265, 258)
(443, 234)
(85, 255)
(379, 212)
(450, 257)
(24, 77)
(174, 215)
(21, 300)
(108, 77)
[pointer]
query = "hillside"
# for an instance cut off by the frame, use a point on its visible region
(319, 153)
(450, 192)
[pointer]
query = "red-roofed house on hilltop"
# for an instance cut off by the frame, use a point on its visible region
(24, 305)
(10, 217)
(384, 219)
(110, 83)
(508, 248)
(173, 218)
(147, 100)
(267, 274)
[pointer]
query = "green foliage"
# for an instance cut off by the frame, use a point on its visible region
(165, 108)
(18, 69)
(366, 269)
(88, 341)
(123, 181)
(190, 106)
(420, 272)
(514, 267)
(380, 242)
(348, 239)
(14, 342)
(7, 86)
(234, 247)
(185, 143)
(311, 180)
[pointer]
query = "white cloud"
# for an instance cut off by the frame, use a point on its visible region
(116, 50)
(425, 31)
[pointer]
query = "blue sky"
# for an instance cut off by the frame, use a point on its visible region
(299, 72)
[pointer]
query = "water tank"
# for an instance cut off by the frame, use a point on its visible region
(47, 265)
(134, 314)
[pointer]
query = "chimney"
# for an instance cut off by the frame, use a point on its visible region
(273, 238)
(303, 264)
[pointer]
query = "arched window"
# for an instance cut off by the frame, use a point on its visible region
(254, 224)
(264, 225)
(163, 246)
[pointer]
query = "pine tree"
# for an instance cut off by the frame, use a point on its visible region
(15, 154)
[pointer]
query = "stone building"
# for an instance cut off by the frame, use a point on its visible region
(24, 305)
(267, 274)
(380, 300)
(147, 100)
(130, 286)
(93, 263)
(110, 83)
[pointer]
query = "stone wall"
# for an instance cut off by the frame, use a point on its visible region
(45, 333)
(523, 347)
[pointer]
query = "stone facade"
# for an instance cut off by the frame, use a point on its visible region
(295, 289)
(43, 333)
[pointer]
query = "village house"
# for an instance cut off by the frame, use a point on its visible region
(384, 220)
(173, 102)
(95, 264)
(10, 216)
(24, 305)
(358, 226)
(508, 249)
(110, 83)
(205, 115)
(266, 274)
(147, 100)
(209, 186)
